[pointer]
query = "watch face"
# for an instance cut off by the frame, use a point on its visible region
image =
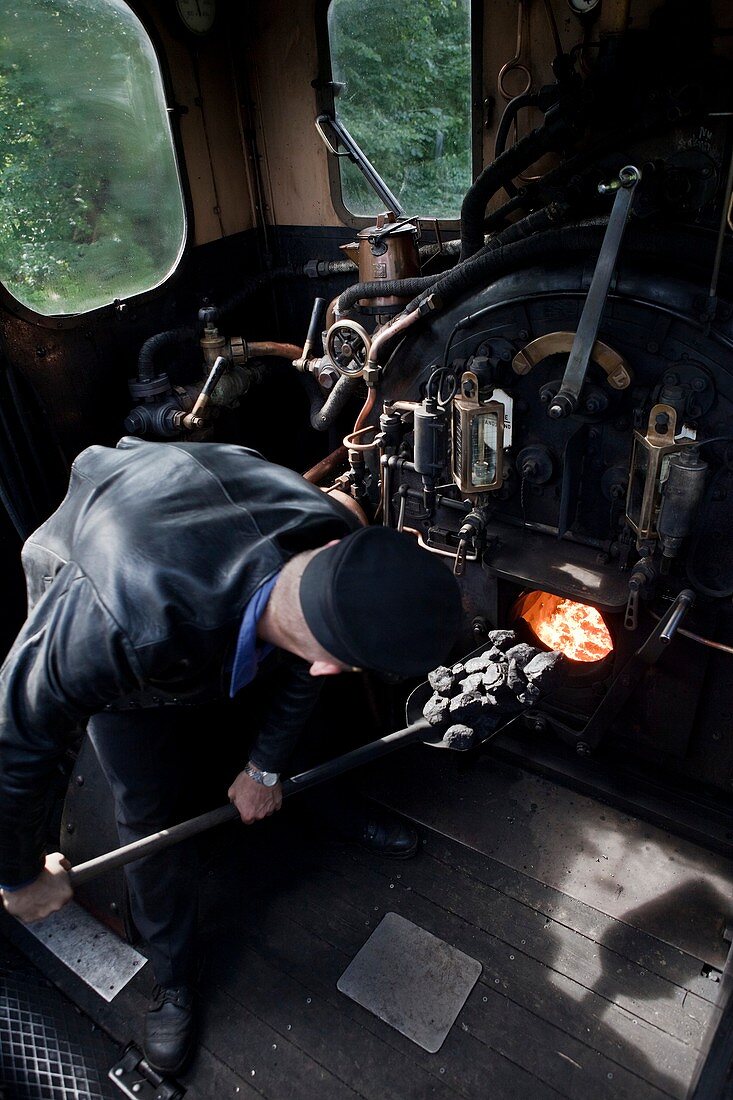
(583, 7)
(197, 15)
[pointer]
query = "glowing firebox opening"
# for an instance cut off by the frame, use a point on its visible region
(574, 629)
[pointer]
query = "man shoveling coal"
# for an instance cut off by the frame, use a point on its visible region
(168, 573)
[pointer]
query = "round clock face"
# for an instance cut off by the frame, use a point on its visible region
(583, 7)
(197, 15)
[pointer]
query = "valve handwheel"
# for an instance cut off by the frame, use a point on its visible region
(347, 346)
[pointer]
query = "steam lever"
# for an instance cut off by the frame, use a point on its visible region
(566, 400)
(313, 329)
(195, 418)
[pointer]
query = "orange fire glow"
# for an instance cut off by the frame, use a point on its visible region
(574, 629)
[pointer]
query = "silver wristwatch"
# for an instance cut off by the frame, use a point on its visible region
(265, 779)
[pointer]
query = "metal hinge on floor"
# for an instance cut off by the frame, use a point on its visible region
(134, 1077)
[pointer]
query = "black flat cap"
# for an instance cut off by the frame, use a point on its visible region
(376, 600)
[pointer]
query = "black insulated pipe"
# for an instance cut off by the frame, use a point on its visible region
(506, 249)
(512, 109)
(384, 288)
(324, 413)
(147, 368)
(550, 137)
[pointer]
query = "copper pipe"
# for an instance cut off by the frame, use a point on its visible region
(326, 466)
(348, 502)
(257, 349)
(365, 409)
(436, 549)
(404, 321)
(352, 446)
(331, 312)
(553, 28)
(514, 64)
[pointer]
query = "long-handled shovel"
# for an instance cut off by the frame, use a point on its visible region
(420, 730)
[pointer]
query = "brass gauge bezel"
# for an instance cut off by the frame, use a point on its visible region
(656, 447)
(466, 407)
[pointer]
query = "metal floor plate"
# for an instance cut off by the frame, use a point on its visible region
(95, 954)
(412, 980)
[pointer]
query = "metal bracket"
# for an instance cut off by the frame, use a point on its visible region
(136, 1080)
(561, 343)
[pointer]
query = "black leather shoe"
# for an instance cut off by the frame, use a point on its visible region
(169, 1034)
(388, 836)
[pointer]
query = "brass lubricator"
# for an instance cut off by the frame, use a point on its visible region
(385, 251)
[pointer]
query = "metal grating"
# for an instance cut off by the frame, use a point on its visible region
(49, 1050)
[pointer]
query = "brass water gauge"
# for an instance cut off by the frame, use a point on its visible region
(649, 466)
(477, 439)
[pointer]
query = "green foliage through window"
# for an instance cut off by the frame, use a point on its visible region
(406, 65)
(90, 200)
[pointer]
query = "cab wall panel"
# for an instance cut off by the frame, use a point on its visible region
(283, 61)
(203, 87)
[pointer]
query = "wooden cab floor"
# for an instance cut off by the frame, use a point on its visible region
(599, 938)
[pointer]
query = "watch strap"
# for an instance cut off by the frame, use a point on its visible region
(264, 778)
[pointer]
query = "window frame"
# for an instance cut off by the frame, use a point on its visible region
(174, 110)
(326, 104)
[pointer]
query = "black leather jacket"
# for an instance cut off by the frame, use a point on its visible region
(136, 589)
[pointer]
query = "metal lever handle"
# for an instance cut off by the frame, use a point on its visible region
(676, 614)
(566, 400)
(459, 563)
(315, 323)
(313, 327)
(195, 417)
(631, 618)
(333, 149)
(358, 157)
(667, 626)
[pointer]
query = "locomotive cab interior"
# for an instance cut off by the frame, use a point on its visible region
(468, 264)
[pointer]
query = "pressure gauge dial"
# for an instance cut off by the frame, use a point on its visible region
(197, 16)
(584, 7)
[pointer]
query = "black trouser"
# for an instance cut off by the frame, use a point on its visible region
(149, 759)
(167, 764)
